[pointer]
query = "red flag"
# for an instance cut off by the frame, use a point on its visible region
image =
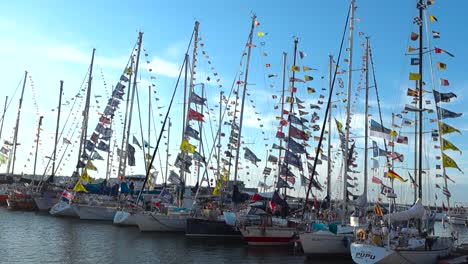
(280, 134)
(444, 208)
(194, 115)
(376, 180)
(285, 112)
(292, 180)
(297, 133)
(255, 197)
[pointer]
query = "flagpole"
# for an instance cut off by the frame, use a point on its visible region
(416, 180)
(280, 150)
(56, 132)
(329, 169)
(108, 165)
(190, 89)
(219, 134)
(200, 128)
(37, 144)
(241, 118)
(232, 129)
(421, 3)
(366, 121)
(296, 41)
(84, 128)
(167, 150)
(15, 137)
(348, 114)
(3, 116)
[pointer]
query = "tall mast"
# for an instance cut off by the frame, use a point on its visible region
(366, 120)
(200, 127)
(421, 4)
(249, 50)
(285, 55)
(135, 76)
(3, 116)
(150, 110)
(416, 180)
(15, 138)
(123, 147)
(167, 150)
(84, 128)
(348, 114)
(218, 146)
(109, 161)
(37, 143)
(296, 41)
(190, 83)
(56, 130)
(329, 130)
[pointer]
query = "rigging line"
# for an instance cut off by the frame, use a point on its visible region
(159, 152)
(11, 99)
(65, 125)
(141, 129)
(326, 116)
(378, 97)
(165, 121)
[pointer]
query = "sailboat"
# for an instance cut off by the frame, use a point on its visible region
(275, 231)
(334, 239)
(168, 217)
(63, 207)
(409, 245)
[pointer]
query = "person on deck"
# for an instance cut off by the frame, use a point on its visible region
(132, 188)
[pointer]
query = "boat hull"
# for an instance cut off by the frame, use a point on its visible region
(325, 243)
(98, 213)
(457, 220)
(3, 199)
(64, 209)
(153, 222)
(268, 236)
(199, 227)
(368, 254)
(124, 218)
(20, 201)
(44, 203)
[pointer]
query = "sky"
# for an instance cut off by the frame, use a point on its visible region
(53, 41)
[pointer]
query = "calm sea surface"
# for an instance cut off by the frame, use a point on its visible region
(27, 237)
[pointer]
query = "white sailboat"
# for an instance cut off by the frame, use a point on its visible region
(336, 239)
(405, 245)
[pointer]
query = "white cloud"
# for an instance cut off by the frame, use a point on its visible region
(163, 67)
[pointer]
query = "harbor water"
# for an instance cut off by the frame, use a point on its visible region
(28, 237)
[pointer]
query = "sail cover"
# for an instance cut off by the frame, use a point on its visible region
(416, 211)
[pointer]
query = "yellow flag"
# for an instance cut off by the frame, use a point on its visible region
(90, 166)
(3, 159)
(449, 145)
(441, 66)
(128, 71)
(414, 76)
(411, 49)
(224, 171)
(305, 68)
(79, 187)
(217, 188)
(289, 99)
(339, 126)
(295, 68)
(449, 162)
(378, 210)
(85, 176)
(308, 78)
(187, 147)
(260, 34)
(148, 156)
(432, 18)
(310, 90)
(224, 178)
(393, 133)
(446, 129)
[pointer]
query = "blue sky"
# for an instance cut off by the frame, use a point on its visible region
(53, 41)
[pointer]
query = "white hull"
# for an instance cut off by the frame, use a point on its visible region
(324, 242)
(365, 254)
(92, 212)
(45, 203)
(62, 209)
(268, 236)
(148, 222)
(125, 218)
(456, 220)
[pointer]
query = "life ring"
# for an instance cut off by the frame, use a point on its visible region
(361, 234)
